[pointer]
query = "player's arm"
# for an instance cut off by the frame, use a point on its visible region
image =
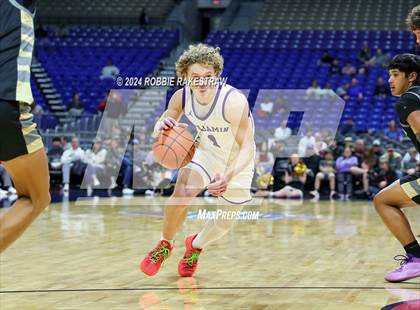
(408, 109)
(237, 113)
(171, 116)
(413, 120)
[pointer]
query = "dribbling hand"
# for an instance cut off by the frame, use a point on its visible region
(166, 124)
(169, 122)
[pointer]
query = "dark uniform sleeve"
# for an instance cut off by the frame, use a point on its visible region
(407, 104)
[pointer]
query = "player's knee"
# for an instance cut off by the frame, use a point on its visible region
(378, 201)
(41, 201)
(183, 193)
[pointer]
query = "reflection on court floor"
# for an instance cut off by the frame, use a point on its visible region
(297, 255)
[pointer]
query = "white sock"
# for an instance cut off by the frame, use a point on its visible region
(171, 241)
(198, 241)
(215, 229)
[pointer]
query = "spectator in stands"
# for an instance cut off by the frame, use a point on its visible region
(348, 69)
(342, 91)
(327, 173)
(264, 159)
(295, 180)
(72, 161)
(76, 106)
(407, 156)
(348, 128)
(319, 143)
(139, 162)
(311, 161)
(280, 106)
(313, 91)
(364, 160)
(362, 72)
(371, 159)
(307, 139)
(38, 112)
(359, 150)
(132, 166)
(409, 165)
(112, 163)
(348, 142)
(102, 104)
(381, 89)
(335, 148)
(95, 161)
(355, 90)
(392, 132)
(364, 54)
(283, 132)
(296, 174)
(65, 144)
(6, 182)
(343, 167)
(326, 59)
(335, 67)
(380, 59)
(115, 109)
(110, 71)
(376, 147)
(393, 158)
(381, 177)
(278, 149)
(266, 108)
(54, 154)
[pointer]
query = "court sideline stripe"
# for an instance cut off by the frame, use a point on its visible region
(202, 288)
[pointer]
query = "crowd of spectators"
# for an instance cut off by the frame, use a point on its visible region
(110, 162)
(343, 168)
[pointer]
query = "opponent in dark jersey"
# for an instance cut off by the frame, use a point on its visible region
(18, 134)
(404, 71)
(408, 103)
(21, 147)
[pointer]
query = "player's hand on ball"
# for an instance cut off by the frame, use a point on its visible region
(218, 186)
(169, 122)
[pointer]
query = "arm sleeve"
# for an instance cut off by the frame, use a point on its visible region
(407, 104)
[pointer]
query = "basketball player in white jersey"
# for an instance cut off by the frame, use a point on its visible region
(223, 161)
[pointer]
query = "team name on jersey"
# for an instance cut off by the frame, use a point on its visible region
(204, 128)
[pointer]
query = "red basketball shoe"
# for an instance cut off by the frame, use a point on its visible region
(188, 265)
(151, 264)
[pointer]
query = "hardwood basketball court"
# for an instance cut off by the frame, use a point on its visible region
(300, 255)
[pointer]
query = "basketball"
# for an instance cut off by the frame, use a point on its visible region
(174, 148)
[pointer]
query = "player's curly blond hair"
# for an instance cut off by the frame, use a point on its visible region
(413, 19)
(201, 54)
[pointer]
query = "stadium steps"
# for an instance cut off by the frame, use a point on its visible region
(246, 15)
(148, 101)
(51, 95)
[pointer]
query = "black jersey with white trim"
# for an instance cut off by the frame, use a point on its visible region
(408, 103)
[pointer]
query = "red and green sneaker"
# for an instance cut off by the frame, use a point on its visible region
(188, 265)
(152, 262)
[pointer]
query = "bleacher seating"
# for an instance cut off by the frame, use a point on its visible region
(107, 12)
(47, 120)
(334, 14)
(74, 60)
(289, 60)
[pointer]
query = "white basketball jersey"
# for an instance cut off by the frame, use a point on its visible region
(215, 133)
